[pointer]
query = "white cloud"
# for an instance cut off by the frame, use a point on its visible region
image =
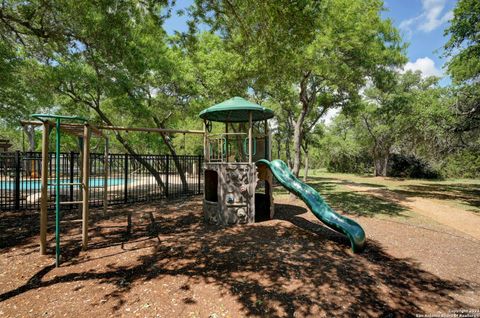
(426, 65)
(431, 17)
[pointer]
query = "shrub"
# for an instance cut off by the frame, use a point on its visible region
(462, 164)
(409, 166)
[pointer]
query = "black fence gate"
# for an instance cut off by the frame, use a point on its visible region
(128, 180)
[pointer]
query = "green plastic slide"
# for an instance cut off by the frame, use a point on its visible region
(317, 204)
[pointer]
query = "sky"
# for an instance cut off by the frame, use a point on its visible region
(420, 22)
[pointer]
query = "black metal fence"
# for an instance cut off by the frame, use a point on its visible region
(130, 179)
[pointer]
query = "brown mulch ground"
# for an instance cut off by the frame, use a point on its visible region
(172, 264)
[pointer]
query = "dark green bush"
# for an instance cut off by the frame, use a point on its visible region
(409, 166)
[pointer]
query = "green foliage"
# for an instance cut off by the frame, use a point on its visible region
(464, 42)
(112, 62)
(463, 49)
(305, 57)
(408, 118)
(462, 164)
(339, 149)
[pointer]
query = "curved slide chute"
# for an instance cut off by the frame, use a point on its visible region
(317, 204)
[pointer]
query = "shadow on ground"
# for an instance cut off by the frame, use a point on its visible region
(284, 267)
(468, 194)
(354, 203)
(18, 228)
(363, 204)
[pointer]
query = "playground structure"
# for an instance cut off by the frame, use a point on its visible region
(238, 173)
(231, 176)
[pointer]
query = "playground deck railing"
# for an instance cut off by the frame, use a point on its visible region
(128, 181)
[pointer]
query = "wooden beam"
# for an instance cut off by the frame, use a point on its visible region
(86, 175)
(159, 130)
(100, 128)
(44, 191)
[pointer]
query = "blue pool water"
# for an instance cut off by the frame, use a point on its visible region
(37, 185)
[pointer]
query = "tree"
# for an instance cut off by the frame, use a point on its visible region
(106, 60)
(463, 48)
(391, 116)
(340, 149)
(307, 50)
(19, 92)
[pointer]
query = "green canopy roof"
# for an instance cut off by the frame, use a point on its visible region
(236, 110)
(42, 116)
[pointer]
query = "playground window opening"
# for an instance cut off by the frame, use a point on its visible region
(211, 186)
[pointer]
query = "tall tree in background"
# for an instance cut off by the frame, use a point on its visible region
(409, 120)
(464, 67)
(320, 52)
(388, 117)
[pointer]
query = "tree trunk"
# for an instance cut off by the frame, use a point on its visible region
(32, 167)
(30, 132)
(168, 141)
(381, 162)
(305, 177)
(278, 139)
(297, 140)
(287, 154)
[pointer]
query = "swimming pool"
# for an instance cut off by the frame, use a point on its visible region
(37, 185)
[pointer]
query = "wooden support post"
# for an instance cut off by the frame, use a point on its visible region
(250, 134)
(105, 177)
(268, 153)
(86, 175)
(226, 142)
(44, 193)
(205, 143)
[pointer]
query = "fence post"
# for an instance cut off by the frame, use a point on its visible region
(17, 180)
(166, 175)
(72, 163)
(125, 191)
(199, 174)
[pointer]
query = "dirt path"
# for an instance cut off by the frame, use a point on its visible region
(461, 220)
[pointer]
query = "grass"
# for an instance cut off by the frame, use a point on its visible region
(338, 190)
